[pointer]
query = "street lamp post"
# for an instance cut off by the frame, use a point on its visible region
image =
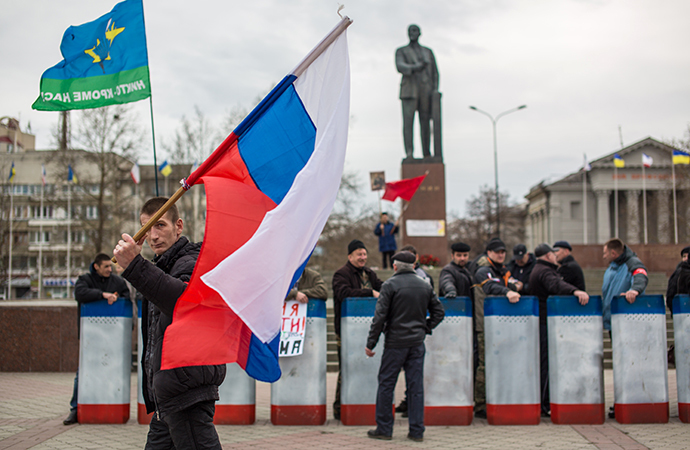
(493, 122)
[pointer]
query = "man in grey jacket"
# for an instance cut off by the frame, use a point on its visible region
(401, 312)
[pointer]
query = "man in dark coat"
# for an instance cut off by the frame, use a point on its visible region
(99, 283)
(521, 266)
(183, 398)
(455, 280)
(545, 281)
(569, 269)
(354, 279)
(672, 288)
(401, 311)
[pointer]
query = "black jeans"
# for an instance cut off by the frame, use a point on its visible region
(191, 428)
(544, 367)
(394, 359)
(388, 258)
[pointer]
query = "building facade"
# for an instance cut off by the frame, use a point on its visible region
(591, 207)
(101, 208)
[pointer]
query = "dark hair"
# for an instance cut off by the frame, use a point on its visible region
(100, 258)
(615, 244)
(152, 206)
(409, 248)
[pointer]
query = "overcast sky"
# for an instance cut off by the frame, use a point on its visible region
(582, 67)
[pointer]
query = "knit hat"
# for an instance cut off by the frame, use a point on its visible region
(460, 247)
(356, 244)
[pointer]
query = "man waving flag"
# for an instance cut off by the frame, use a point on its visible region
(270, 187)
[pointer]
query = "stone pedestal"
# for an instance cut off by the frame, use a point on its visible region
(427, 210)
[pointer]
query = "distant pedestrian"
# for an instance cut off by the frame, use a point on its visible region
(386, 232)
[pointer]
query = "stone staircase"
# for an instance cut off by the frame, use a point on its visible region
(593, 279)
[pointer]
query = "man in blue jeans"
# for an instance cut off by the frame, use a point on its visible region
(401, 310)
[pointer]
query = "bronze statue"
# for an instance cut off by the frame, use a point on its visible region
(419, 93)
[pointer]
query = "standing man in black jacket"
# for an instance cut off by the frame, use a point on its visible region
(401, 311)
(521, 266)
(183, 398)
(99, 283)
(569, 269)
(455, 280)
(545, 281)
(672, 288)
(354, 279)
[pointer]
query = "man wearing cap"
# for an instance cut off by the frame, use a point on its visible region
(401, 310)
(545, 281)
(569, 269)
(354, 279)
(672, 288)
(455, 280)
(521, 266)
(491, 278)
(386, 231)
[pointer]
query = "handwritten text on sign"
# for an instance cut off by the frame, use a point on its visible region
(292, 329)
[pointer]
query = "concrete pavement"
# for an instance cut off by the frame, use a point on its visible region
(33, 405)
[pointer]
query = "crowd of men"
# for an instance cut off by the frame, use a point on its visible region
(407, 310)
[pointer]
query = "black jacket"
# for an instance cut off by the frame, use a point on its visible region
(683, 286)
(572, 272)
(672, 288)
(401, 311)
(454, 281)
(545, 281)
(347, 282)
(91, 286)
(162, 283)
(522, 273)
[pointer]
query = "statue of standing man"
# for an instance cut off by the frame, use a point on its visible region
(419, 93)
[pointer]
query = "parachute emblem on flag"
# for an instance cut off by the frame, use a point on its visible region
(101, 51)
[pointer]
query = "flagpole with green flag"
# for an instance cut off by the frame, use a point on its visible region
(105, 63)
(585, 168)
(11, 182)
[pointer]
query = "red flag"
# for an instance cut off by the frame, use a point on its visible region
(404, 189)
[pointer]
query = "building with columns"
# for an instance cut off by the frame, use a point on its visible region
(582, 208)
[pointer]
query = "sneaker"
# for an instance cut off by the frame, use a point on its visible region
(374, 434)
(480, 414)
(612, 412)
(414, 438)
(402, 407)
(71, 419)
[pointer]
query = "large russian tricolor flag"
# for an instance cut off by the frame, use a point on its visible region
(270, 187)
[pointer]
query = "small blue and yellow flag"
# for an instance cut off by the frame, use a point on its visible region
(12, 173)
(165, 168)
(618, 161)
(70, 174)
(681, 157)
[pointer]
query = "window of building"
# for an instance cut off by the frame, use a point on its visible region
(575, 210)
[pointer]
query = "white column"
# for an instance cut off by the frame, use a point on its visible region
(603, 216)
(632, 199)
(663, 216)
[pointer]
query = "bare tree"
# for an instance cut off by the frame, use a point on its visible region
(112, 138)
(479, 223)
(194, 140)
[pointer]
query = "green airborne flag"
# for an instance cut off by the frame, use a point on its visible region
(106, 63)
